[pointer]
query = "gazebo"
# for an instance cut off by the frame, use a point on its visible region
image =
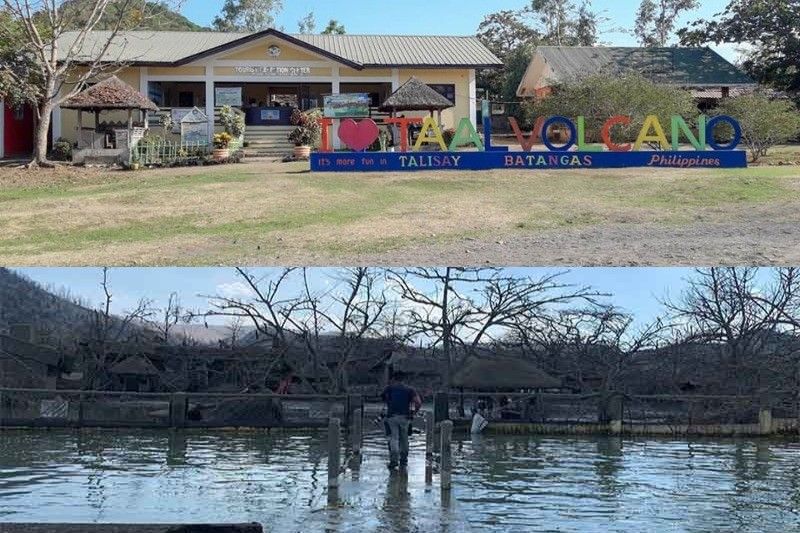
(111, 94)
(415, 95)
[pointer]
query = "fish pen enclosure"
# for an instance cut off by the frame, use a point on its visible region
(34, 408)
(617, 413)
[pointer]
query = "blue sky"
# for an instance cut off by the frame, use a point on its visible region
(637, 290)
(432, 17)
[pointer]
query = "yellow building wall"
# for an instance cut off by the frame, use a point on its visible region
(176, 71)
(260, 51)
(460, 78)
(366, 73)
(69, 117)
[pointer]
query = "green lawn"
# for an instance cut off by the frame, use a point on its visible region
(275, 213)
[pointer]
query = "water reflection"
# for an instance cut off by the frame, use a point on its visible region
(499, 483)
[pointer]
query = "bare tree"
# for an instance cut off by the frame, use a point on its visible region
(466, 308)
(271, 311)
(168, 317)
(750, 321)
(109, 332)
(341, 319)
(63, 49)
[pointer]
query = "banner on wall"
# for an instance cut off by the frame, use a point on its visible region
(231, 96)
(349, 105)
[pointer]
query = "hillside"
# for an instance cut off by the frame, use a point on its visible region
(56, 317)
(159, 17)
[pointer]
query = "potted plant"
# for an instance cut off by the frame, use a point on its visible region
(222, 142)
(136, 160)
(306, 134)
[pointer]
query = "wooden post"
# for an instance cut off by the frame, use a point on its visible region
(441, 407)
(356, 432)
(765, 421)
(178, 407)
(80, 128)
(429, 447)
(334, 452)
(446, 457)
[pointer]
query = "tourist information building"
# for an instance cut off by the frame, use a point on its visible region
(268, 74)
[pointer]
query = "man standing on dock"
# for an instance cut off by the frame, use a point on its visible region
(402, 403)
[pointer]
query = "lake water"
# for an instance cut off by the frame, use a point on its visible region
(499, 483)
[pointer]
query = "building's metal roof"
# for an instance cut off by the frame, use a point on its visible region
(176, 47)
(695, 67)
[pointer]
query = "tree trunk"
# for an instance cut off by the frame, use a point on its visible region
(42, 133)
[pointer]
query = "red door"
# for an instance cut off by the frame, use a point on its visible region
(18, 127)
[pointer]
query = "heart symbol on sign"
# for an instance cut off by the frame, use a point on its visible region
(358, 136)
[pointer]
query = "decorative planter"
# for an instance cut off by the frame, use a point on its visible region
(302, 152)
(221, 154)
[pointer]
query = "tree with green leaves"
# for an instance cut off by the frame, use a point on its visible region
(334, 27)
(307, 24)
(512, 35)
(247, 15)
(656, 19)
(771, 31)
(765, 121)
(599, 96)
(505, 33)
(564, 23)
(51, 50)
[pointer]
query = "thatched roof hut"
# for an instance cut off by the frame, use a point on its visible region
(503, 373)
(415, 95)
(136, 365)
(111, 93)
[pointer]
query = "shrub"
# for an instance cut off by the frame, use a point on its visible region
(62, 150)
(308, 129)
(167, 124)
(232, 122)
(449, 134)
(765, 121)
(601, 96)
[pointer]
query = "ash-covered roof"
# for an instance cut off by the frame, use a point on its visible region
(502, 373)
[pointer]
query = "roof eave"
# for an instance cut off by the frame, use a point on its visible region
(434, 66)
(259, 35)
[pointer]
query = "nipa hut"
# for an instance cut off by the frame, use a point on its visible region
(502, 374)
(112, 95)
(414, 95)
(135, 374)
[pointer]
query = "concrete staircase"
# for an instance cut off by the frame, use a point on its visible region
(268, 141)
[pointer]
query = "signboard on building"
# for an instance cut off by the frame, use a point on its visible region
(348, 105)
(270, 114)
(259, 70)
(231, 96)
